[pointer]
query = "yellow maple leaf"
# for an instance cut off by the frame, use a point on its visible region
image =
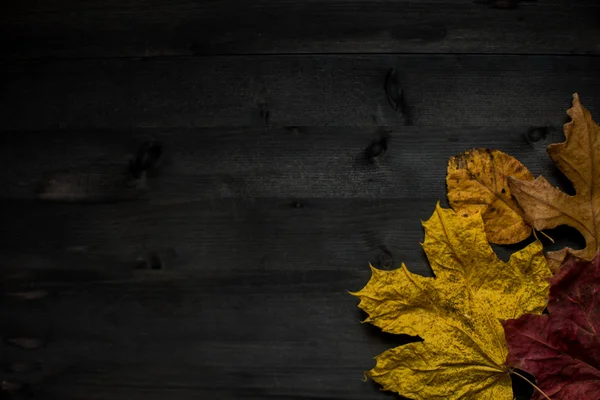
(456, 313)
(477, 181)
(546, 207)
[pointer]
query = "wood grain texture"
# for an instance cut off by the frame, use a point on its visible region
(225, 334)
(220, 234)
(76, 29)
(188, 189)
(457, 91)
(248, 299)
(222, 271)
(296, 164)
(237, 309)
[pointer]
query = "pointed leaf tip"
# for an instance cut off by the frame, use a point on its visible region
(462, 346)
(478, 182)
(562, 349)
(547, 207)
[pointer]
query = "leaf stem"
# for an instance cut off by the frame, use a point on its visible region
(545, 234)
(512, 371)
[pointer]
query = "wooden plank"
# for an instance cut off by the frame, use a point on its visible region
(110, 241)
(456, 90)
(168, 166)
(278, 334)
(70, 28)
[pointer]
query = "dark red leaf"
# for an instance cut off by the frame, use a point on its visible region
(562, 349)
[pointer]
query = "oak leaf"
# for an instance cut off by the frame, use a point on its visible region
(456, 313)
(478, 180)
(562, 349)
(546, 207)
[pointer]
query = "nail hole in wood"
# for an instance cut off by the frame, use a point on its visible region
(385, 259)
(393, 90)
(264, 113)
(536, 134)
(396, 96)
(297, 204)
(377, 149)
(155, 261)
(147, 158)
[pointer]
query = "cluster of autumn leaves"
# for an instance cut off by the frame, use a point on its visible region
(482, 319)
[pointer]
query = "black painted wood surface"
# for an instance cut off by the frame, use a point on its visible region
(189, 189)
(148, 28)
(332, 90)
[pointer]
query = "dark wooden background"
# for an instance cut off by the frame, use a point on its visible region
(189, 188)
